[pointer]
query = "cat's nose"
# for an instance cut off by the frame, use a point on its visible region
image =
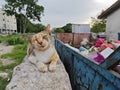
(40, 43)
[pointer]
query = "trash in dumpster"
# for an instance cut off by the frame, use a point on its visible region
(106, 52)
(99, 42)
(116, 43)
(96, 57)
(82, 48)
(99, 51)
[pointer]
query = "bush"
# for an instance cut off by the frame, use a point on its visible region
(12, 39)
(1, 38)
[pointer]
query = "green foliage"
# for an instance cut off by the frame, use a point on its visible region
(1, 38)
(12, 39)
(3, 83)
(30, 27)
(29, 8)
(59, 30)
(34, 28)
(24, 11)
(40, 27)
(67, 28)
(98, 25)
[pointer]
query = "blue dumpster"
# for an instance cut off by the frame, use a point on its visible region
(85, 74)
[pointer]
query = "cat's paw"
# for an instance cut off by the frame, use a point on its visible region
(52, 67)
(43, 68)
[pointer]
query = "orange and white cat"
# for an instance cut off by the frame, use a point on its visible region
(41, 51)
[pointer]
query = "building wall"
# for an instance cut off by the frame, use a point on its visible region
(7, 23)
(80, 28)
(113, 25)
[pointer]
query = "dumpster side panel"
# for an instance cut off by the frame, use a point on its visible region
(101, 83)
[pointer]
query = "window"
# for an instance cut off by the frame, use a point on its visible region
(4, 25)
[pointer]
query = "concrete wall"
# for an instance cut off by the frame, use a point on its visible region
(113, 25)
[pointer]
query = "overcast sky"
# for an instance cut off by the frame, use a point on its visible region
(60, 12)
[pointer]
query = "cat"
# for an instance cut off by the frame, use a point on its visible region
(41, 51)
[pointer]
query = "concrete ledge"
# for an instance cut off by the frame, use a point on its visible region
(27, 77)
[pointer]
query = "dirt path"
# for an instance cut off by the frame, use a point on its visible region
(5, 49)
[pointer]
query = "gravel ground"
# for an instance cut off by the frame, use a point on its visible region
(5, 49)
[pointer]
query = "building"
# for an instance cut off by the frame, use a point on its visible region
(112, 15)
(80, 28)
(7, 23)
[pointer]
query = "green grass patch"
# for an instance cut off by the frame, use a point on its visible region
(1, 39)
(3, 83)
(18, 53)
(13, 39)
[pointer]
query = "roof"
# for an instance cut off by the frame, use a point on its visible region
(110, 10)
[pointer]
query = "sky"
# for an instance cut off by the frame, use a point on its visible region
(58, 13)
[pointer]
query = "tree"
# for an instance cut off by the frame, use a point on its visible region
(40, 27)
(67, 28)
(59, 30)
(34, 28)
(98, 25)
(27, 8)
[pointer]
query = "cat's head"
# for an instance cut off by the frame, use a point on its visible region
(41, 40)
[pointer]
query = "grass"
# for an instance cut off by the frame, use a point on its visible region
(3, 83)
(17, 54)
(12, 39)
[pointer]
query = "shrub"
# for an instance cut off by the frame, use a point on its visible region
(14, 39)
(1, 38)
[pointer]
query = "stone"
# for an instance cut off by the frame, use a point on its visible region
(3, 75)
(6, 62)
(5, 49)
(27, 77)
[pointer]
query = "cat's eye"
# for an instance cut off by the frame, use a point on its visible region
(45, 37)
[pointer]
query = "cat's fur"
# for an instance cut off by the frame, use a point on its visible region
(41, 51)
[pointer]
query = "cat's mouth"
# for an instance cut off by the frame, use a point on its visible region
(42, 46)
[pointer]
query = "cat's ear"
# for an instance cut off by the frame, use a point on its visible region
(48, 29)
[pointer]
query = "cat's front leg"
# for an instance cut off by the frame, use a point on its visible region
(41, 66)
(53, 61)
(52, 66)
